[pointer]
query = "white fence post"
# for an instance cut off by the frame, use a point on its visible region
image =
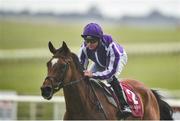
(14, 110)
(33, 111)
(8, 108)
(56, 111)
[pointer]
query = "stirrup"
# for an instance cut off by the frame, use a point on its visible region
(125, 112)
(126, 109)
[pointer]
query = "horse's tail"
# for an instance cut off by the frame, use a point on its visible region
(166, 111)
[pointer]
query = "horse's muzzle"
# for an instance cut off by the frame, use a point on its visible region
(47, 92)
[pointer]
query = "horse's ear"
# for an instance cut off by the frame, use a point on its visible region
(65, 48)
(51, 48)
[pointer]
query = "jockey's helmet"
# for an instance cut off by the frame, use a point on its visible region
(92, 30)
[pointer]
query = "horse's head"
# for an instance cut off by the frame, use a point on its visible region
(60, 70)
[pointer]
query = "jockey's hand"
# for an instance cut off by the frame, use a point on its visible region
(88, 73)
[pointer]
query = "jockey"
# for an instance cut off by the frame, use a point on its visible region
(109, 59)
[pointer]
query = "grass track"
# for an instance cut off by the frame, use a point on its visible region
(26, 76)
(15, 35)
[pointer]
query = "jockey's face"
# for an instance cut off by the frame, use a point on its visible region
(91, 44)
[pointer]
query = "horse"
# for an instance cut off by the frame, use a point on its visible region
(87, 101)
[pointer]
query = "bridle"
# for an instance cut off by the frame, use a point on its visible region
(61, 83)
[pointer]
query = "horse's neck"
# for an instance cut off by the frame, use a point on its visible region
(77, 96)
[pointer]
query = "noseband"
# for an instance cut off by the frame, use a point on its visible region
(61, 83)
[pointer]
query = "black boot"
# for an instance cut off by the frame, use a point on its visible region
(125, 109)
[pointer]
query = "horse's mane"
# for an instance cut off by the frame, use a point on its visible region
(75, 58)
(77, 63)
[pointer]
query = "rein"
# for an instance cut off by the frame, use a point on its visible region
(100, 105)
(61, 82)
(71, 83)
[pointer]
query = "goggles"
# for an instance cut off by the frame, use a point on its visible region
(90, 39)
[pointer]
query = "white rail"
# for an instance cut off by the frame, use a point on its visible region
(59, 99)
(139, 48)
(55, 100)
(25, 98)
(173, 102)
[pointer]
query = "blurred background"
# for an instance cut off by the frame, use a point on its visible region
(149, 31)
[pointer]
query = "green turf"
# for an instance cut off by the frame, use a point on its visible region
(30, 35)
(33, 35)
(156, 71)
(23, 76)
(144, 34)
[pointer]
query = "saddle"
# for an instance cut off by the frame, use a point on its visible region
(133, 99)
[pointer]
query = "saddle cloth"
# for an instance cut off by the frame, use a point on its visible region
(133, 99)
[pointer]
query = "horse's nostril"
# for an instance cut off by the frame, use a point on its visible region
(46, 91)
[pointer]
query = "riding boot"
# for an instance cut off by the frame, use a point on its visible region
(125, 109)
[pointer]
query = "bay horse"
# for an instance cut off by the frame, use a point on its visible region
(87, 101)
